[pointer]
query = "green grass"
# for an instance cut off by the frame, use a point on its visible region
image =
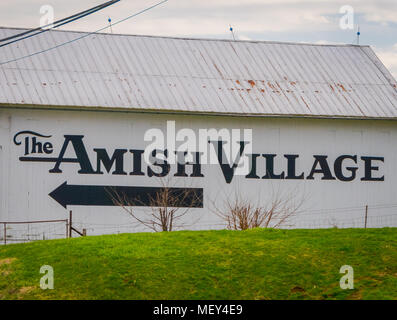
(255, 264)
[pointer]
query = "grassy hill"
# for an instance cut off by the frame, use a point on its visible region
(255, 264)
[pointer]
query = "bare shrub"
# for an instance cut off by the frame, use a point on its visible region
(333, 222)
(163, 209)
(240, 213)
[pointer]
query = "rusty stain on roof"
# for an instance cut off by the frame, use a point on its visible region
(341, 86)
(305, 103)
(252, 83)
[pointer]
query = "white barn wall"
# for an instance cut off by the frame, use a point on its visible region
(25, 185)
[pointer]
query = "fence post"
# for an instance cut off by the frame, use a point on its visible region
(366, 216)
(5, 233)
(67, 228)
(70, 223)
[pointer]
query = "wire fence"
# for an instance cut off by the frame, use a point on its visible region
(375, 216)
(26, 231)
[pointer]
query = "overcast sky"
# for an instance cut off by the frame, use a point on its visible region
(316, 21)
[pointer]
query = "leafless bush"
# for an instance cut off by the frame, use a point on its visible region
(163, 209)
(242, 214)
(333, 222)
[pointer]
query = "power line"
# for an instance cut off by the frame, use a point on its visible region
(57, 24)
(84, 35)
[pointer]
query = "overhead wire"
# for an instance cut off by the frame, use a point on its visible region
(84, 35)
(34, 32)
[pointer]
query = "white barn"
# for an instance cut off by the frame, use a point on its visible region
(75, 108)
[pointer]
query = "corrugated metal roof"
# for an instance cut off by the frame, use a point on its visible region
(197, 75)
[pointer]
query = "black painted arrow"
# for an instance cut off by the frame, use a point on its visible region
(88, 195)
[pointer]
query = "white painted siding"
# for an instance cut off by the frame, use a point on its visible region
(327, 202)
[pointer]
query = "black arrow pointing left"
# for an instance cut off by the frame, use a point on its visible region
(91, 195)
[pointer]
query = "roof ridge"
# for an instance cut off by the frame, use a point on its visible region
(198, 38)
